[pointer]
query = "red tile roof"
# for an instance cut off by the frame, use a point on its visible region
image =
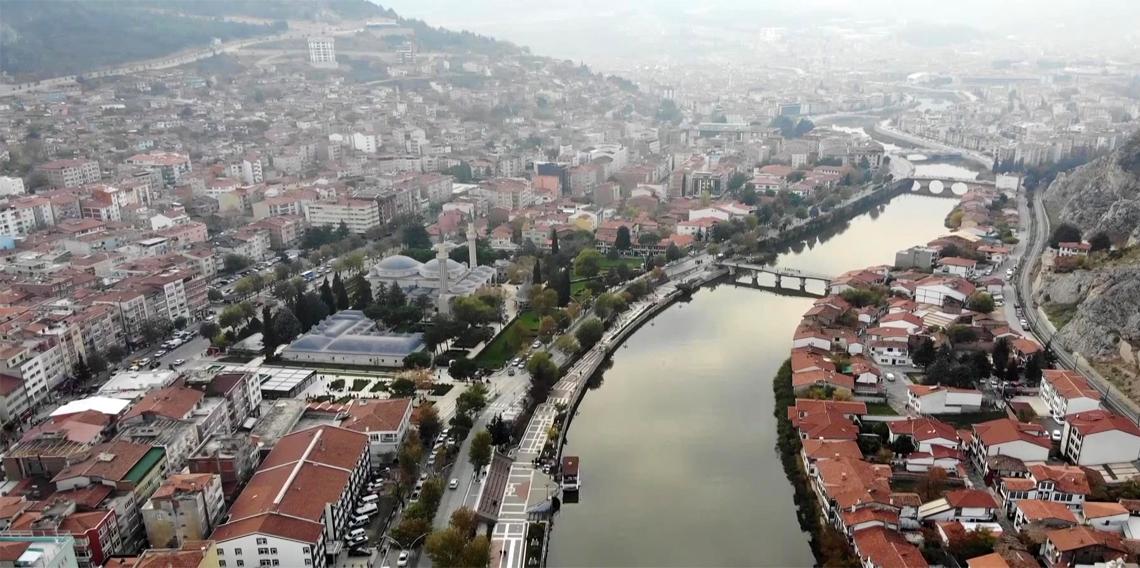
(886, 548)
(1070, 384)
(1005, 430)
(1036, 510)
(923, 429)
(971, 498)
(1097, 421)
(1076, 538)
(1066, 478)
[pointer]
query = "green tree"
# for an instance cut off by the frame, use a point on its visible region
(589, 333)
(567, 344)
(982, 367)
(961, 334)
(402, 387)
(409, 530)
(416, 237)
(417, 360)
(553, 242)
(342, 301)
(81, 373)
(981, 302)
(588, 262)
(536, 278)
(564, 287)
(673, 252)
(1100, 241)
(232, 263)
(327, 296)
(115, 353)
(429, 424)
(544, 374)
(1065, 233)
(499, 431)
(286, 326)
(269, 340)
(209, 330)
(471, 311)
(1034, 369)
(463, 368)
(480, 452)
(231, 316)
(1001, 353)
(925, 354)
(623, 241)
(472, 399)
(214, 295)
(361, 292)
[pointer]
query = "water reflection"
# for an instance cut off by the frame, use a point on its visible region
(678, 459)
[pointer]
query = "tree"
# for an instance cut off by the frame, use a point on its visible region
(903, 445)
(327, 296)
(930, 485)
(480, 452)
(588, 263)
(673, 252)
(417, 360)
(402, 387)
(536, 278)
(231, 316)
(81, 373)
(232, 263)
(179, 323)
(623, 241)
(209, 330)
(286, 326)
(269, 339)
(1034, 369)
(546, 328)
(982, 367)
(1012, 372)
(564, 287)
(499, 431)
(544, 374)
(965, 545)
(416, 237)
(115, 353)
(567, 344)
(361, 292)
(214, 295)
(648, 238)
(429, 424)
(341, 294)
(553, 242)
(471, 311)
(981, 302)
(1099, 242)
(463, 368)
(445, 548)
(472, 399)
(1065, 233)
(1001, 353)
(589, 333)
(154, 329)
(925, 354)
(961, 334)
(410, 530)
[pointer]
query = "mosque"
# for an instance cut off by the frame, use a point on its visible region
(441, 278)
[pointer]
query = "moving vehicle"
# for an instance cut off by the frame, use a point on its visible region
(1056, 435)
(308, 275)
(402, 560)
(178, 362)
(454, 484)
(890, 377)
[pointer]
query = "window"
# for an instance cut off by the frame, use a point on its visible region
(222, 563)
(261, 541)
(263, 563)
(308, 562)
(273, 551)
(263, 551)
(306, 550)
(221, 552)
(241, 563)
(237, 551)
(276, 563)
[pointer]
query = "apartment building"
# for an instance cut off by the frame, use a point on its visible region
(186, 507)
(295, 509)
(510, 193)
(170, 165)
(40, 362)
(359, 214)
(70, 173)
(284, 231)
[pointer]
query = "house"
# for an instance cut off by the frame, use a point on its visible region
(1041, 513)
(1064, 484)
(827, 425)
(1108, 517)
(940, 290)
(807, 336)
(879, 547)
(1081, 545)
(1100, 437)
(1023, 349)
(297, 507)
(814, 450)
(942, 400)
(386, 422)
(845, 485)
(924, 433)
(1008, 558)
(807, 380)
(1006, 437)
(902, 320)
(1073, 249)
(864, 371)
(890, 352)
(967, 505)
(964, 267)
(995, 254)
(1068, 392)
(948, 459)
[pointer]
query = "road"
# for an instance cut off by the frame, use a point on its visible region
(1038, 238)
(978, 157)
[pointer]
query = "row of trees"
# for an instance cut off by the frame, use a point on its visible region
(943, 367)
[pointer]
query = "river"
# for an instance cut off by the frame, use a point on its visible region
(677, 443)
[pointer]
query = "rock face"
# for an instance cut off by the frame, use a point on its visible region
(1102, 195)
(1108, 308)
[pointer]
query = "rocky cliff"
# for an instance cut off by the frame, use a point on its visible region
(1103, 195)
(1108, 308)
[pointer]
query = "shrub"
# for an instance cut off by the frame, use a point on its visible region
(336, 384)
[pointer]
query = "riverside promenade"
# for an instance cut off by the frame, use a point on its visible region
(526, 485)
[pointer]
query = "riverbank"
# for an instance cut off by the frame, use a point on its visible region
(829, 547)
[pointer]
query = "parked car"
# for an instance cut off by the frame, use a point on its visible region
(360, 551)
(890, 377)
(1056, 435)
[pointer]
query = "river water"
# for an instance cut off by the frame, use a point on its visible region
(677, 444)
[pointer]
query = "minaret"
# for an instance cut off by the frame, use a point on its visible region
(471, 236)
(442, 303)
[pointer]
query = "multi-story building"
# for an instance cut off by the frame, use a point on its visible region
(95, 535)
(38, 551)
(365, 142)
(11, 185)
(322, 52)
(233, 458)
(185, 508)
(132, 308)
(1099, 437)
(295, 509)
(510, 193)
(252, 243)
(284, 231)
(70, 173)
(40, 362)
(13, 398)
(16, 221)
(134, 471)
(1067, 392)
(359, 214)
(170, 165)
(386, 422)
(240, 393)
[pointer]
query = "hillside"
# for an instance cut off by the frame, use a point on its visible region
(49, 38)
(1102, 195)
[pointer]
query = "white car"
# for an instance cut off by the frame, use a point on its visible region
(891, 377)
(178, 362)
(1056, 435)
(402, 560)
(454, 484)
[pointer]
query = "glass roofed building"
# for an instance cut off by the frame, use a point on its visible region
(350, 338)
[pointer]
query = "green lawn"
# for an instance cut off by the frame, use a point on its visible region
(967, 419)
(880, 409)
(606, 264)
(496, 353)
(359, 384)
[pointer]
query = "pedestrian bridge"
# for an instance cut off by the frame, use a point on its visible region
(734, 267)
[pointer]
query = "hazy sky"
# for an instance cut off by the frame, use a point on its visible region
(578, 29)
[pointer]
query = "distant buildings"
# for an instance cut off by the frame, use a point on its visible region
(349, 337)
(322, 52)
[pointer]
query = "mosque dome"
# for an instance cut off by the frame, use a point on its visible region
(455, 270)
(397, 266)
